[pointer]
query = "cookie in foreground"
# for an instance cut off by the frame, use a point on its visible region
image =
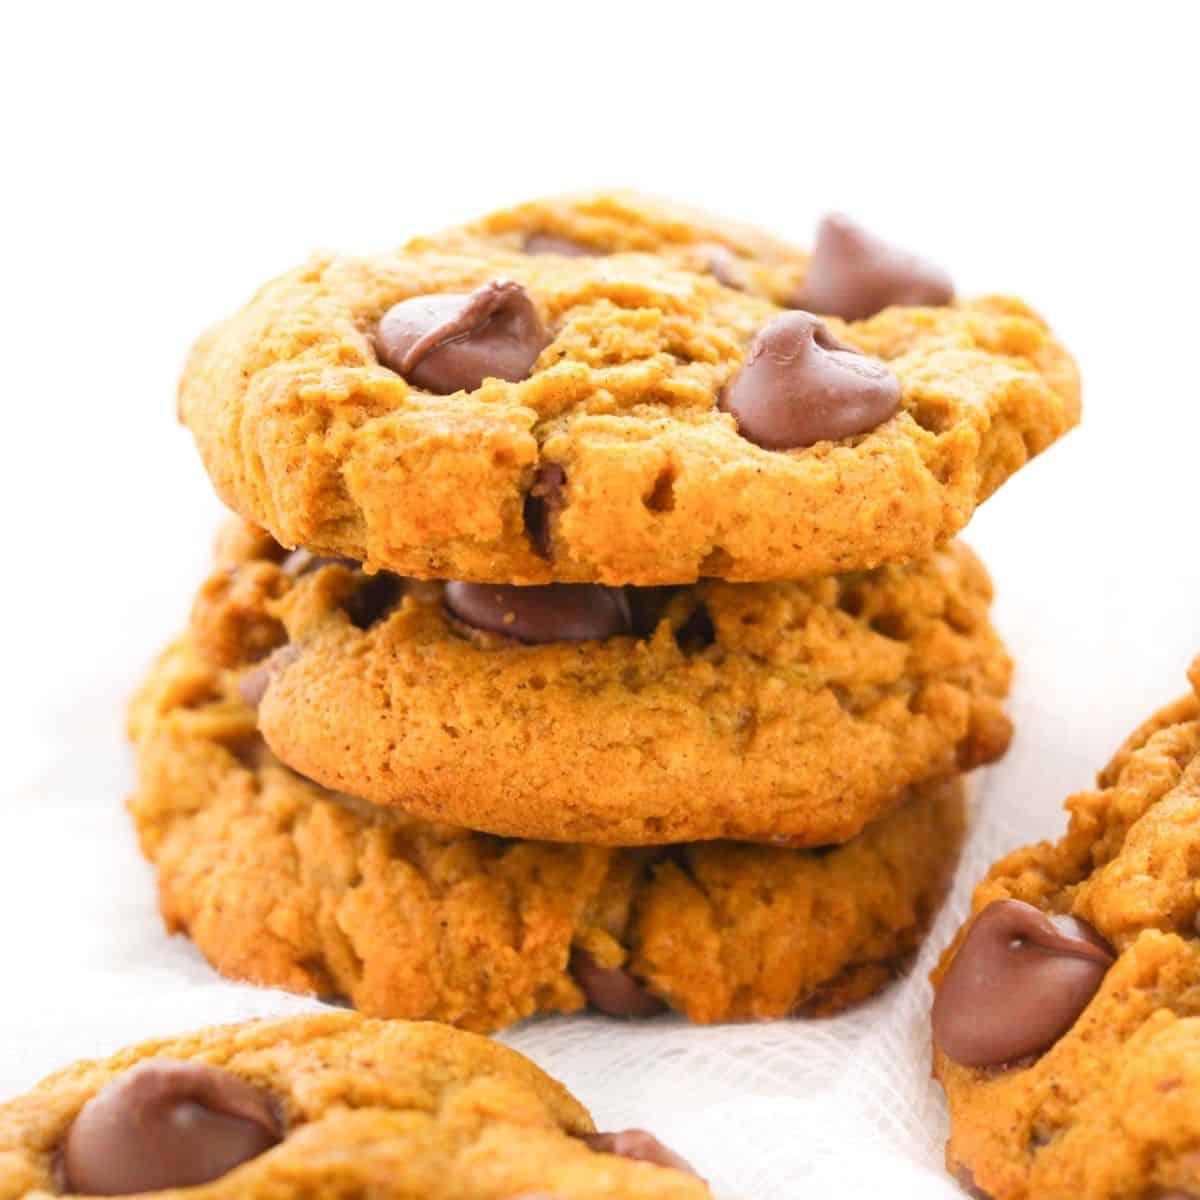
(617, 716)
(1066, 1021)
(282, 883)
(325, 1105)
(474, 407)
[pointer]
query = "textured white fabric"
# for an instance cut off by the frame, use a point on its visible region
(1097, 593)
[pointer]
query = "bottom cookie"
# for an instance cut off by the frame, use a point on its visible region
(1066, 1021)
(328, 1105)
(283, 883)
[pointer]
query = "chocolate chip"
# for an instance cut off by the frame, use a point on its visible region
(303, 562)
(542, 501)
(853, 274)
(373, 599)
(1019, 981)
(724, 268)
(613, 990)
(557, 612)
(965, 1178)
(697, 632)
(799, 385)
(640, 1146)
(648, 606)
(167, 1124)
(449, 342)
(553, 243)
(253, 685)
(1039, 1139)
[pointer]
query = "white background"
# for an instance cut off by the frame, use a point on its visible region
(162, 160)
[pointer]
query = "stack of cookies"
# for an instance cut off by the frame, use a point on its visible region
(591, 633)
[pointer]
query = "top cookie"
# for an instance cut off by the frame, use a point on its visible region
(492, 405)
(1067, 1019)
(330, 1105)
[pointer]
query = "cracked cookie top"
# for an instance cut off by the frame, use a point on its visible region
(321, 1106)
(605, 404)
(1067, 1017)
(796, 712)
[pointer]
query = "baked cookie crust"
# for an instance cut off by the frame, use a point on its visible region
(305, 432)
(624, 221)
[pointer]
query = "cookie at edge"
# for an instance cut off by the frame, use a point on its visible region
(395, 1110)
(1112, 1106)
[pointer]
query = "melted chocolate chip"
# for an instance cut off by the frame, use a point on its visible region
(373, 599)
(557, 612)
(648, 606)
(542, 501)
(1019, 981)
(450, 342)
(303, 562)
(613, 990)
(167, 1124)
(253, 685)
(853, 274)
(799, 385)
(553, 243)
(1038, 1139)
(640, 1146)
(724, 268)
(697, 632)
(965, 1178)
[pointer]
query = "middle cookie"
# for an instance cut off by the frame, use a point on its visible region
(796, 712)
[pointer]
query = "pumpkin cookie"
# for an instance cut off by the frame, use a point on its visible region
(283, 883)
(328, 1105)
(850, 273)
(622, 221)
(482, 406)
(1067, 1017)
(798, 711)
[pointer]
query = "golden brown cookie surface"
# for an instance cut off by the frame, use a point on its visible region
(1096, 1091)
(606, 457)
(723, 711)
(396, 1110)
(622, 221)
(280, 882)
